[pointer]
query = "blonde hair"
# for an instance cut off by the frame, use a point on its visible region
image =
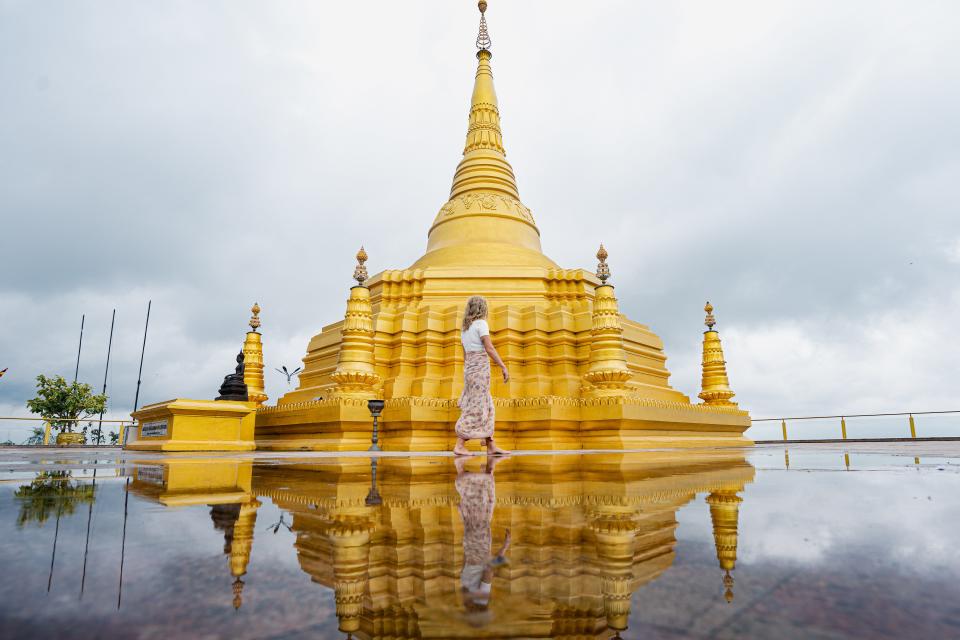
(476, 309)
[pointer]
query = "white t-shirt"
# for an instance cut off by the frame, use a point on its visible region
(471, 338)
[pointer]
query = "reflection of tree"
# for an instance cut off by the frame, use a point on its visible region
(49, 492)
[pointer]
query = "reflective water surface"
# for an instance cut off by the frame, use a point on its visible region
(763, 543)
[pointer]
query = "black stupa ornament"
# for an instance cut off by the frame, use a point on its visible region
(233, 387)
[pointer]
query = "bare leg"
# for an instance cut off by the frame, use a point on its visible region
(461, 448)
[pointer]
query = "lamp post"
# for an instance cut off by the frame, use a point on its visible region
(373, 496)
(375, 407)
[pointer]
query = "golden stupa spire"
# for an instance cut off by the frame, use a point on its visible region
(608, 373)
(484, 165)
(715, 387)
(484, 129)
(484, 210)
(356, 374)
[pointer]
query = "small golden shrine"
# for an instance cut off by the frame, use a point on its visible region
(582, 374)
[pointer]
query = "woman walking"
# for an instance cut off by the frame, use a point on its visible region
(476, 404)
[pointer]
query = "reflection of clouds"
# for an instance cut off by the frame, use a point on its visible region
(196, 535)
(818, 518)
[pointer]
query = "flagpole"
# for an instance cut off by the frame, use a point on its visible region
(76, 371)
(105, 371)
(123, 543)
(86, 546)
(136, 398)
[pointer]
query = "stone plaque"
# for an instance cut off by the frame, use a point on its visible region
(153, 429)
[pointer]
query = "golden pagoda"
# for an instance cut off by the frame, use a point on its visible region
(582, 374)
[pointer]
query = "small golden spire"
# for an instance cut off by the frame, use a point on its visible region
(603, 271)
(360, 273)
(728, 587)
(253, 359)
(483, 38)
(255, 318)
(715, 388)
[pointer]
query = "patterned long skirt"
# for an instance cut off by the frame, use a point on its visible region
(477, 499)
(476, 404)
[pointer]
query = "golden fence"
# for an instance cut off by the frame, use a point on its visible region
(899, 426)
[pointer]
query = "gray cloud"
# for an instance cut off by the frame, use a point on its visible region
(796, 166)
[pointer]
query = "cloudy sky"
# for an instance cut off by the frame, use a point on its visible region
(797, 163)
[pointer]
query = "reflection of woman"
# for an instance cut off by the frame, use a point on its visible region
(476, 404)
(477, 498)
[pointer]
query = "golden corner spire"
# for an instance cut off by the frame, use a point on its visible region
(360, 273)
(715, 387)
(603, 270)
(255, 318)
(483, 38)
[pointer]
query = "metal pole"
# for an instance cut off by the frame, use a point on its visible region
(843, 428)
(105, 371)
(783, 425)
(56, 534)
(76, 371)
(913, 427)
(123, 543)
(86, 546)
(136, 398)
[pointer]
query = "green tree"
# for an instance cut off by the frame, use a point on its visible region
(63, 404)
(50, 491)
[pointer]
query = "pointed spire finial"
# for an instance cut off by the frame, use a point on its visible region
(255, 318)
(603, 271)
(237, 593)
(360, 273)
(483, 38)
(728, 587)
(710, 320)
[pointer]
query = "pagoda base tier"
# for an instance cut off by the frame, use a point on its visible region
(546, 423)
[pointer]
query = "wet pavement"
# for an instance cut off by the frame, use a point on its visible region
(811, 541)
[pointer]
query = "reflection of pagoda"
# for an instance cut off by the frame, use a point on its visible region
(582, 374)
(237, 522)
(588, 531)
(224, 485)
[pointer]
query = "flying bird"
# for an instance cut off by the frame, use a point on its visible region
(276, 527)
(3, 372)
(289, 374)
